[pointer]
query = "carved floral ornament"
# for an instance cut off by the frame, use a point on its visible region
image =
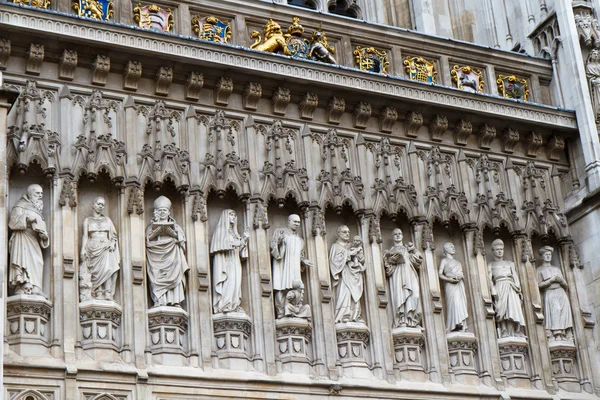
(101, 10)
(211, 28)
(420, 69)
(512, 87)
(153, 17)
(467, 78)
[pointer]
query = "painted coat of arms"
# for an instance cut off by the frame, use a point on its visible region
(33, 3)
(372, 60)
(467, 79)
(420, 69)
(153, 17)
(102, 10)
(211, 29)
(512, 87)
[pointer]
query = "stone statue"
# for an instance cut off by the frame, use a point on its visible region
(26, 270)
(506, 291)
(346, 261)
(165, 256)
(227, 248)
(451, 272)
(99, 255)
(557, 308)
(592, 69)
(320, 49)
(294, 302)
(401, 266)
(287, 249)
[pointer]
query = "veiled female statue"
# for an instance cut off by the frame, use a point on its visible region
(100, 252)
(165, 256)
(451, 273)
(228, 248)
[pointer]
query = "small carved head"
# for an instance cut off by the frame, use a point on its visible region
(397, 235)
(162, 208)
(35, 193)
(343, 233)
(98, 204)
(449, 248)
(498, 248)
(294, 222)
(546, 253)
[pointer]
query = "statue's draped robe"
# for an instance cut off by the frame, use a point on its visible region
(404, 284)
(557, 307)
(348, 283)
(101, 262)
(166, 266)
(592, 70)
(25, 245)
(226, 247)
(287, 249)
(508, 302)
(456, 297)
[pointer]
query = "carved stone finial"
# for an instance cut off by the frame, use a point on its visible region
(556, 145)
(509, 139)
(132, 75)
(280, 100)
(193, 85)
(68, 193)
(387, 119)
(101, 67)
(534, 143)
(362, 113)
(308, 105)
(164, 77)
(487, 133)
(67, 65)
(413, 122)
(462, 131)
(35, 57)
(336, 107)
(5, 48)
(223, 90)
(252, 95)
(437, 127)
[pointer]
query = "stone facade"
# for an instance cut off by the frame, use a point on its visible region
(177, 113)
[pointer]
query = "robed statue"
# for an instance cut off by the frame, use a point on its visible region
(451, 273)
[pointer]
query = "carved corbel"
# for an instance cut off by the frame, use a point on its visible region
(101, 67)
(556, 145)
(223, 90)
(534, 143)
(193, 85)
(308, 105)
(387, 119)
(437, 127)
(487, 133)
(252, 95)
(462, 131)
(68, 193)
(414, 121)
(336, 108)
(164, 77)
(5, 48)
(362, 113)
(509, 140)
(35, 58)
(132, 75)
(280, 100)
(67, 65)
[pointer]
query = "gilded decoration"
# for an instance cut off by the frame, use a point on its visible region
(467, 78)
(512, 87)
(153, 17)
(34, 3)
(102, 10)
(420, 69)
(292, 43)
(372, 60)
(212, 29)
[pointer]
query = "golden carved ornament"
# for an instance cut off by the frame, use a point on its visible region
(372, 60)
(34, 3)
(512, 87)
(153, 17)
(101, 10)
(212, 29)
(467, 78)
(420, 69)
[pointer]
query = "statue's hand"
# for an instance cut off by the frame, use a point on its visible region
(246, 233)
(43, 235)
(308, 263)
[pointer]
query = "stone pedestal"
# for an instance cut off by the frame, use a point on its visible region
(563, 356)
(352, 341)
(293, 335)
(232, 331)
(100, 320)
(27, 327)
(462, 349)
(409, 344)
(514, 359)
(167, 327)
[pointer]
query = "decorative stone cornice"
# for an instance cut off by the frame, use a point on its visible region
(207, 53)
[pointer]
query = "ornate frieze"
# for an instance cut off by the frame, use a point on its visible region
(372, 60)
(101, 10)
(467, 78)
(34, 3)
(211, 28)
(153, 17)
(420, 69)
(512, 87)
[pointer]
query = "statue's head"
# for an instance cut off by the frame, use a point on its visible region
(98, 204)
(343, 233)
(498, 248)
(35, 194)
(294, 222)
(594, 56)
(449, 248)
(357, 241)
(272, 28)
(546, 253)
(162, 208)
(298, 285)
(397, 235)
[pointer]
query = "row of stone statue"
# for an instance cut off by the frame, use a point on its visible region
(166, 267)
